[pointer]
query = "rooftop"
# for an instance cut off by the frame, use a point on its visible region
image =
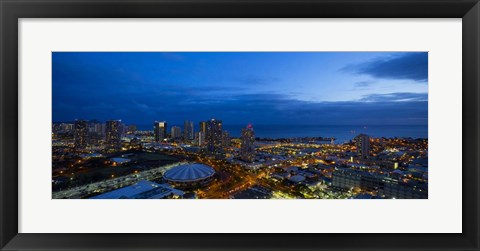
(143, 189)
(189, 172)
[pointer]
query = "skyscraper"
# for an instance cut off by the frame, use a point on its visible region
(66, 127)
(95, 132)
(213, 136)
(247, 151)
(113, 133)
(80, 134)
(203, 126)
(99, 128)
(202, 133)
(187, 130)
(362, 142)
(200, 138)
(176, 132)
(160, 130)
(225, 139)
(123, 128)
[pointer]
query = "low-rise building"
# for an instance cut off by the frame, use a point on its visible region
(143, 190)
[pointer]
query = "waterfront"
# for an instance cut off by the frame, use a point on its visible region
(342, 133)
(240, 125)
(136, 164)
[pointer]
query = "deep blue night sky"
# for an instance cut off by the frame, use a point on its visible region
(309, 88)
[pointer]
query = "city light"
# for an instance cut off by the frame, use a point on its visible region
(213, 166)
(239, 125)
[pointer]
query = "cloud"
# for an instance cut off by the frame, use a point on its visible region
(395, 97)
(132, 92)
(362, 85)
(410, 66)
(260, 108)
(141, 106)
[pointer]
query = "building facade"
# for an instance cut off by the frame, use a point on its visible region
(176, 132)
(188, 130)
(247, 150)
(202, 126)
(113, 133)
(80, 134)
(382, 186)
(160, 130)
(225, 139)
(362, 143)
(200, 138)
(213, 137)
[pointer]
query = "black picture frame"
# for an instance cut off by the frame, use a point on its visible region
(12, 10)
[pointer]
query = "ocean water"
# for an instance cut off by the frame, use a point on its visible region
(342, 133)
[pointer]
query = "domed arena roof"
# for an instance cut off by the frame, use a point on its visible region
(189, 173)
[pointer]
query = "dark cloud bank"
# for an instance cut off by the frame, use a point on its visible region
(411, 66)
(99, 92)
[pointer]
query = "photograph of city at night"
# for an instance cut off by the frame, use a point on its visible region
(239, 125)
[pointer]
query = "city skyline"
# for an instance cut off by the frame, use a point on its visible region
(345, 88)
(339, 133)
(154, 165)
(240, 125)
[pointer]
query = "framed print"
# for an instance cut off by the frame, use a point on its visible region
(239, 125)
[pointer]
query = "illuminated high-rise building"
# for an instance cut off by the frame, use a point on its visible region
(362, 142)
(187, 130)
(123, 128)
(80, 134)
(95, 132)
(160, 130)
(66, 127)
(213, 136)
(202, 126)
(225, 139)
(176, 132)
(247, 151)
(98, 128)
(113, 133)
(200, 137)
